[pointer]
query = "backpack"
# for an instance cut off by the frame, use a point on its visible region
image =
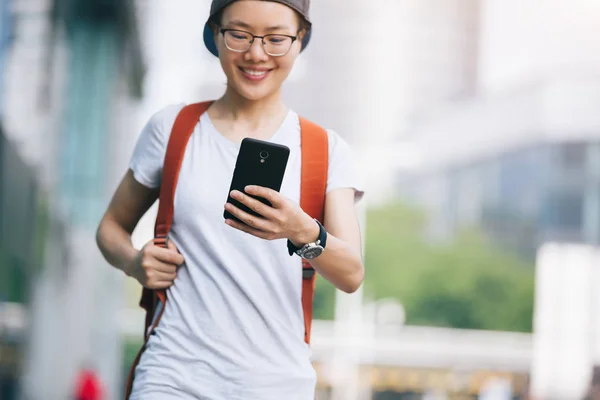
(314, 144)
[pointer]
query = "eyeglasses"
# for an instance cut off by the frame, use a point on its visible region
(275, 45)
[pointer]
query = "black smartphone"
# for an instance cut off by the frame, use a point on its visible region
(258, 163)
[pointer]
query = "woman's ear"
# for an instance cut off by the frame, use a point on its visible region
(214, 27)
(301, 35)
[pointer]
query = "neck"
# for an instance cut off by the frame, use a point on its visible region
(254, 113)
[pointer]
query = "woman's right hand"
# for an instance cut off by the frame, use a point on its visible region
(155, 267)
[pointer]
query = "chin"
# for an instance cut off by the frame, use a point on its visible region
(255, 91)
(254, 94)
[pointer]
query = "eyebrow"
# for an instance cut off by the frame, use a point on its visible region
(244, 25)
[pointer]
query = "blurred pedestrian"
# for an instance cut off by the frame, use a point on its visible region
(233, 326)
(88, 385)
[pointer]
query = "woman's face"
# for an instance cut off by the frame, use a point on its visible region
(254, 74)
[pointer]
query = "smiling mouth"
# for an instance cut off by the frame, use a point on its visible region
(255, 74)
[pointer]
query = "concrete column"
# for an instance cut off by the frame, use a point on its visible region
(565, 286)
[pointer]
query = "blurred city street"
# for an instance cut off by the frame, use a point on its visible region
(476, 128)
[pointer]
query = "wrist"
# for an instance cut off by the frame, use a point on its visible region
(312, 245)
(128, 262)
(309, 234)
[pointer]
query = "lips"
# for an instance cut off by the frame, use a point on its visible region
(255, 74)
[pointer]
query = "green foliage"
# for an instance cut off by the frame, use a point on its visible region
(130, 350)
(42, 232)
(324, 300)
(466, 283)
(13, 278)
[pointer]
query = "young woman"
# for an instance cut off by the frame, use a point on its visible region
(233, 325)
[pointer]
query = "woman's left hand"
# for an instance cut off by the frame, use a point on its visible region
(284, 220)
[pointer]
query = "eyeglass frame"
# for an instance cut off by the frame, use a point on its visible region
(262, 40)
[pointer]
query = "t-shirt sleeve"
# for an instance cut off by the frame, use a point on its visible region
(342, 166)
(149, 151)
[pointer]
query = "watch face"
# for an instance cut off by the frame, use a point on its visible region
(312, 252)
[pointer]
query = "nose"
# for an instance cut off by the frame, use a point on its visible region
(256, 52)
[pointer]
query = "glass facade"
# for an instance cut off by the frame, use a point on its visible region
(520, 198)
(21, 228)
(84, 154)
(5, 35)
(83, 68)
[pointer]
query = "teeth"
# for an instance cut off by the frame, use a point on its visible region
(254, 73)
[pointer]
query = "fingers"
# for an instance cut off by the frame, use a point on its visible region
(248, 229)
(154, 260)
(255, 205)
(170, 255)
(158, 285)
(162, 266)
(159, 280)
(158, 265)
(250, 220)
(171, 246)
(157, 274)
(175, 257)
(274, 197)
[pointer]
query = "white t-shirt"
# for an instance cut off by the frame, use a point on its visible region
(233, 325)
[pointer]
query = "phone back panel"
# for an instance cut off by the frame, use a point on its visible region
(258, 163)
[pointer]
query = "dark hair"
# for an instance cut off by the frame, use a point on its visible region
(215, 20)
(304, 24)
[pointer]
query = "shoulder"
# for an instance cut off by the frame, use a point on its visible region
(334, 140)
(164, 118)
(342, 166)
(149, 151)
(158, 128)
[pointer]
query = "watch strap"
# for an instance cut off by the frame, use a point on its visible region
(322, 239)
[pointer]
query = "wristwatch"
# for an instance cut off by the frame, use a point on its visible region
(310, 250)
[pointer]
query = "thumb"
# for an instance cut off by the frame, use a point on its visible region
(171, 246)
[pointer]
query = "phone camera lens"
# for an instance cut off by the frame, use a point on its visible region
(264, 154)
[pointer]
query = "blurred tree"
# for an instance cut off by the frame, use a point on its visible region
(324, 300)
(466, 283)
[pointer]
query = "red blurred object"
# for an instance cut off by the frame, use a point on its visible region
(88, 386)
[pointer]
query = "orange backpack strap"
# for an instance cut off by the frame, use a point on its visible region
(180, 134)
(182, 130)
(315, 162)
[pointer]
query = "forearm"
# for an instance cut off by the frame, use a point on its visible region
(115, 244)
(340, 264)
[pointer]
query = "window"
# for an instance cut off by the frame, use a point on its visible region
(572, 156)
(563, 211)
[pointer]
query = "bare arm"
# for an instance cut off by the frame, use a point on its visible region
(341, 262)
(129, 203)
(152, 266)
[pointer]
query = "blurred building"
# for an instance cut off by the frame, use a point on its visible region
(22, 224)
(72, 79)
(408, 362)
(5, 36)
(520, 158)
(373, 67)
